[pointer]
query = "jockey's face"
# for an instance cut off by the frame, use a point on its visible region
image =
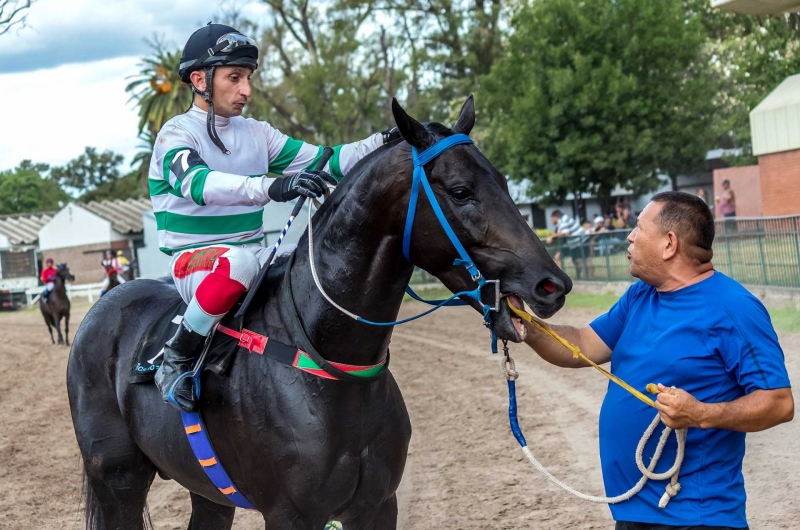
(231, 89)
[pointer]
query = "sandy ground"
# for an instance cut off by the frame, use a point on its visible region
(465, 470)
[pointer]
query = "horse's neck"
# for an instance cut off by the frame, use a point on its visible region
(59, 286)
(358, 259)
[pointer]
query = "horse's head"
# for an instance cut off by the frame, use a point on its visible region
(63, 272)
(474, 198)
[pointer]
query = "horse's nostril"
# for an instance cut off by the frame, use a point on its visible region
(548, 286)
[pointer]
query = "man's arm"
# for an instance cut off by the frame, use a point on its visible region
(553, 352)
(757, 411)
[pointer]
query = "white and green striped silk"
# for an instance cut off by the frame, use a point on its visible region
(223, 201)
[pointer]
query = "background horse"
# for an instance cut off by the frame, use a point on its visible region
(57, 305)
(112, 274)
(304, 449)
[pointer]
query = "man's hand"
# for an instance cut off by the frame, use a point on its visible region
(549, 239)
(308, 183)
(679, 409)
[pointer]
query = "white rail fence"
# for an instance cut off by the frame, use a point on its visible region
(90, 291)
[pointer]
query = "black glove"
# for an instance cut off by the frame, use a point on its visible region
(390, 135)
(308, 183)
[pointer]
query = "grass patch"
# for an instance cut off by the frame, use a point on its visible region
(786, 319)
(602, 302)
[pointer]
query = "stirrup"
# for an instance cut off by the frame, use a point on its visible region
(195, 382)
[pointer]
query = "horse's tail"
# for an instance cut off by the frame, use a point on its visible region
(93, 515)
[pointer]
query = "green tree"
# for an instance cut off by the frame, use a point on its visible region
(752, 56)
(25, 189)
(160, 95)
(595, 94)
(96, 176)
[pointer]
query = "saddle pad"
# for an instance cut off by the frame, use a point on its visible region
(149, 351)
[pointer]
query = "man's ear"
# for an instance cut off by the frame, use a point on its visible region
(671, 248)
(198, 79)
(410, 129)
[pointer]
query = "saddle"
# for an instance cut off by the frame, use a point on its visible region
(150, 348)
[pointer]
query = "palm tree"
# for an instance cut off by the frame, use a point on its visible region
(160, 94)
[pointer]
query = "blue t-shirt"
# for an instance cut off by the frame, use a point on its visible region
(716, 341)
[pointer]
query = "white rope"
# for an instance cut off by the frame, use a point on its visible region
(672, 488)
(314, 270)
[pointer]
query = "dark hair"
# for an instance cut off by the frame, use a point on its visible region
(726, 181)
(690, 218)
(556, 213)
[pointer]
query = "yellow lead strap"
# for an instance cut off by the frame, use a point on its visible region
(578, 354)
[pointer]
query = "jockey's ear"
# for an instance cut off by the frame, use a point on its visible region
(410, 129)
(466, 118)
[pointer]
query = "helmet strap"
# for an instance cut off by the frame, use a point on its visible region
(210, 120)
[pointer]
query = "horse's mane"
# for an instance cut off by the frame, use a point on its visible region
(362, 167)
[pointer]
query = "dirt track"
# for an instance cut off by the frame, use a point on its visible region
(465, 470)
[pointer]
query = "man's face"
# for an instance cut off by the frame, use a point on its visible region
(231, 90)
(647, 245)
(554, 219)
(726, 185)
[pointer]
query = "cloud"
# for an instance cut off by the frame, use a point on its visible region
(78, 31)
(51, 115)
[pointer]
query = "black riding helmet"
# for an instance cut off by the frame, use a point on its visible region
(210, 46)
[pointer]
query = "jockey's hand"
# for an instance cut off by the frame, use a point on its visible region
(390, 135)
(308, 183)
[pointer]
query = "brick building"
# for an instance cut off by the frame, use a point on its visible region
(773, 186)
(79, 234)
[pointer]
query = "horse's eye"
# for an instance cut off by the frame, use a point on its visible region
(461, 194)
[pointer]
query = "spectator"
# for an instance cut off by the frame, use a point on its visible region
(727, 205)
(566, 226)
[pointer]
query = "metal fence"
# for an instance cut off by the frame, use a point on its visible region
(755, 251)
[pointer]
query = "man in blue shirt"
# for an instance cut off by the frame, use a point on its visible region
(687, 326)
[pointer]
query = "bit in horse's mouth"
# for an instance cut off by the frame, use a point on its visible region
(519, 326)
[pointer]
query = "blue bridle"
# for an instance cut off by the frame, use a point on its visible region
(419, 178)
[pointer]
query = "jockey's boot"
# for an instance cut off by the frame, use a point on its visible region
(172, 378)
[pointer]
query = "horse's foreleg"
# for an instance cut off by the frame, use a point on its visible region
(66, 328)
(366, 517)
(47, 320)
(208, 515)
(58, 329)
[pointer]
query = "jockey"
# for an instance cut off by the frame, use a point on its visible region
(208, 183)
(123, 264)
(48, 277)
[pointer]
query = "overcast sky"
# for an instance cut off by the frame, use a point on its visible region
(62, 78)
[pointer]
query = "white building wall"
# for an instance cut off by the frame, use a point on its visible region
(4, 242)
(152, 262)
(74, 226)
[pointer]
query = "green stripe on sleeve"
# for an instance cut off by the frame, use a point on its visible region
(286, 156)
(336, 169)
(210, 224)
(162, 187)
(197, 185)
(316, 158)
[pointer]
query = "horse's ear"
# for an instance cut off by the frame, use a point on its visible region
(410, 129)
(466, 118)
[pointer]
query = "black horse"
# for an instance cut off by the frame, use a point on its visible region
(113, 276)
(303, 449)
(56, 306)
